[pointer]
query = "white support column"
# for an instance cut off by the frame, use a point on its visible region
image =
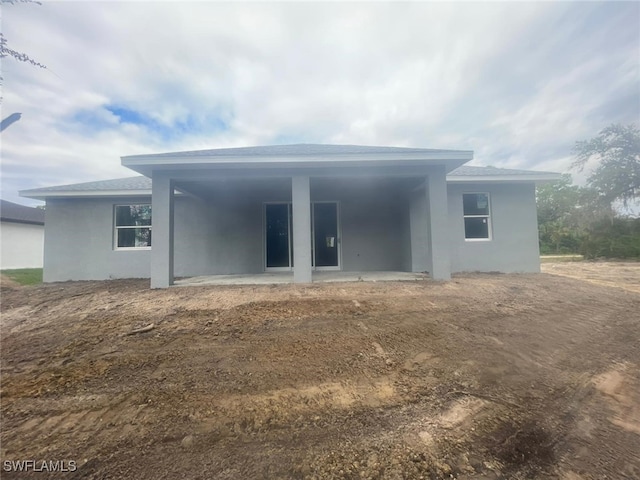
(301, 202)
(438, 231)
(419, 228)
(162, 231)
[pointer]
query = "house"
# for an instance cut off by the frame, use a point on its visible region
(298, 208)
(21, 236)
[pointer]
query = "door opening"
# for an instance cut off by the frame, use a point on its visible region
(278, 248)
(325, 236)
(325, 241)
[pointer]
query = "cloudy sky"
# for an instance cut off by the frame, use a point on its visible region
(518, 83)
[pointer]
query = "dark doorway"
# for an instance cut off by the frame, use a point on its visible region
(278, 226)
(325, 234)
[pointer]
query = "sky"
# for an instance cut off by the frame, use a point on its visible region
(518, 83)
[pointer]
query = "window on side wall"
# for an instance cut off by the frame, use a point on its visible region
(132, 227)
(477, 216)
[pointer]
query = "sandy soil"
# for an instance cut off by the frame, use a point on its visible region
(484, 377)
(625, 275)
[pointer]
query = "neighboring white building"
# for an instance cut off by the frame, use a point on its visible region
(296, 208)
(21, 236)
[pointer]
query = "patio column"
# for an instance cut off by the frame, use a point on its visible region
(162, 231)
(438, 231)
(301, 203)
(418, 223)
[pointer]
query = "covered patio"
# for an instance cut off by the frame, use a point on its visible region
(282, 214)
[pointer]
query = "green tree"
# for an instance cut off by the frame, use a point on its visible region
(617, 176)
(557, 198)
(573, 219)
(558, 214)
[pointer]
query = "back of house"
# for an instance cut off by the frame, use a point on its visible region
(293, 208)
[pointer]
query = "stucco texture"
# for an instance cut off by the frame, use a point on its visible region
(219, 230)
(514, 230)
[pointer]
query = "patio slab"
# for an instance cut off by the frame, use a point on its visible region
(272, 278)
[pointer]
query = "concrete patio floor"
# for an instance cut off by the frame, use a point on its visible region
(271, 278)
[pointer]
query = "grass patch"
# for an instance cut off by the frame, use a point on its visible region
(25, 276)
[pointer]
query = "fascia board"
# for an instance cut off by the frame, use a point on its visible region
(80, 193)
(536, 178)
(256, 160)
(22, 222)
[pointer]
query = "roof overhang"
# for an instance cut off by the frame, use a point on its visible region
(83, 194)
(24, 222)
(537, 178)
(147, 164)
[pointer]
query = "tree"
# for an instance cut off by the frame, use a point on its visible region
(575, 219)
(5, 51)
(558, 216)
(556, 199)
(617, 176)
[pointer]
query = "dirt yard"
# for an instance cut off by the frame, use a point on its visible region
(484, 377)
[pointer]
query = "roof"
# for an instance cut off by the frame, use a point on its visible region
(13, 212)
(297, 156)
(467, 173)
(301, 149)
(141, 185)
(126, 184)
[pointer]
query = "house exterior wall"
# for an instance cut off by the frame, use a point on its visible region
(21, 245)
(514, 243)
(221, 231)
(373, 220)
(79, 242)
(231, 240)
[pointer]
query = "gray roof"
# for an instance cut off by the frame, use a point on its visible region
(301, 149)
(470, 171)
(13, 212)
(129, 183)
(143, 184)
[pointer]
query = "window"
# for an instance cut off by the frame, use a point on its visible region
(133, 226)
(477, 216)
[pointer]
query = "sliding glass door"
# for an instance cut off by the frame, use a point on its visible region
(325, 235)
(279, 247)
(279, 236)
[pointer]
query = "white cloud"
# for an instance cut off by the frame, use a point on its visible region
(517, 82)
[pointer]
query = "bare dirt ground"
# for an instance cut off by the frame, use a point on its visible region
(484, 377)
(625, 275)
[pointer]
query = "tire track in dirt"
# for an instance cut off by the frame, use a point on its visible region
(106, 424)
(489, 376)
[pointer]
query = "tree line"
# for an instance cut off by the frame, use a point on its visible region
(602, 218)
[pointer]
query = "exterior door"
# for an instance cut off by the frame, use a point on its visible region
(279, 237)
(278, 249)
(325, 236)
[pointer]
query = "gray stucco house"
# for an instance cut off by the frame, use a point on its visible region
(293, 208)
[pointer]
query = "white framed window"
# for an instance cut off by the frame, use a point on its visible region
(477, 216)
(132, 227)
